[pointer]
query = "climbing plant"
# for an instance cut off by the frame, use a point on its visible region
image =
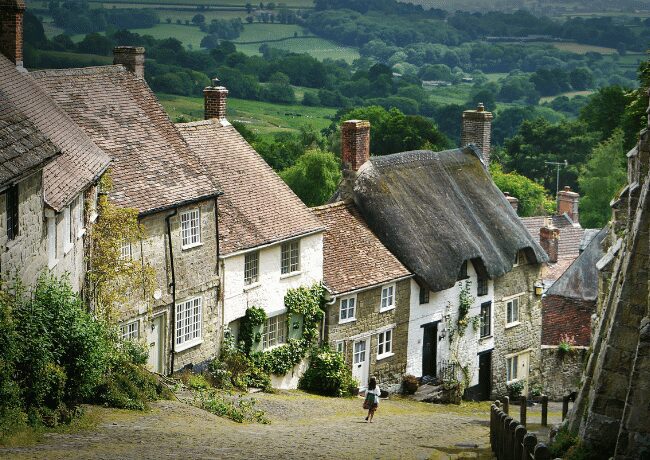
(111, 278)
(254, 317)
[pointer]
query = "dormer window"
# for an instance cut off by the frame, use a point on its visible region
(462, 273)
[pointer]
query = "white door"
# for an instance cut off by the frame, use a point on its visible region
(522, 371)
(155, 342)
(361, 362)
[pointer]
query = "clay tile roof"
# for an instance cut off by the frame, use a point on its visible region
(153, 167)
(23, 148)
(435, 210)
(570, 235)
(257, 207)
(353, 257)
(81, 162)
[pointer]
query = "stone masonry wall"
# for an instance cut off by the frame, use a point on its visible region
(522, 337)
(368, 322)
(561, 372)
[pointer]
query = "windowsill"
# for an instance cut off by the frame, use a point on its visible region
(11, 243)
(67, 247)
(508, 382)
(290, 275)
(348, 320)
(250, 287)
(389, 308)
(486, 337)
(509, 325)
(481, 295)
(191, 246)
(189, 344)
(51, 265)
(81, 233)
(384, 356)
(274, 346)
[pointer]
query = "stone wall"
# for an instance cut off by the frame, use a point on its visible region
(369, 321)
(561, 373)
(566, 316)
(522, 337)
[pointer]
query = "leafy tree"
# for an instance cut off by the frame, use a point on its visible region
(314, 177)
(279, 89)
(96, 44)
(581, 78)
(310, 99)
(605, 110)
(533, 197)
(198, 19)
(600, 179)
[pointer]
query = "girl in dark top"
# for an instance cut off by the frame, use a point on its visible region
(372, 398)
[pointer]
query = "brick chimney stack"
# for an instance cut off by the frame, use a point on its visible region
(131, 57)
(215, 99)
(476, 129)
(11, 30)
(567, 202)
(514, 202)
(549, 238)
(355, 144)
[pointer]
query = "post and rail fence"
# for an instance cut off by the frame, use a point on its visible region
(509, 438)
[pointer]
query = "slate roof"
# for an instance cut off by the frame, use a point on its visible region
(570, 235)
(353, 257)
(23, 148)
(580, 280)
(153, 167)
(81, 162)
(257, 207)
(435, 210)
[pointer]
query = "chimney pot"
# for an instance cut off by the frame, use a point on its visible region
(11, 30)
(549, 238)
(476, 129)
(131, 57)
(215, 99)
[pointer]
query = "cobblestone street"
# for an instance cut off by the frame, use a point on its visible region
(303, 426)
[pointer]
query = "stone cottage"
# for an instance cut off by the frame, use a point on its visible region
(269, 241)
(156, 173)
(367, 313)
(47, 206)
(442, 216)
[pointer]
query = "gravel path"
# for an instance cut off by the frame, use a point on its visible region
(303, 426)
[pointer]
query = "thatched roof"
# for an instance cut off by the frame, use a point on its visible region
(435, 210)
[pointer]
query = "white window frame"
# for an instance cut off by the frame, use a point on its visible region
(512, 365)
(290, 257)
(67, 230)
(347, 317)
(51, 240)
(275, 332)
(387, 300)
(130, 331)
(126, 251)
(251, 265)
(385, 344)
(340, 346)
(512, 305)
(483, 323)
(188, 324)
(191, 228)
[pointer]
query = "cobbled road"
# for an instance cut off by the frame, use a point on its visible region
(303, 427)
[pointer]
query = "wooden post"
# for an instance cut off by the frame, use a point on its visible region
(502, 435)
(512, 434)
(530, 441)
(544, 410)
(507, 445)
(565, 407)
(520, 433)
(506, 405)
(542, 452)
(522, 410)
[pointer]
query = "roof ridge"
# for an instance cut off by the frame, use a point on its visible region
(336, 204)
(190, 124)
(92, 70)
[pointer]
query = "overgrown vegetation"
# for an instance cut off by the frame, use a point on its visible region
(55, 356)
(328, 374)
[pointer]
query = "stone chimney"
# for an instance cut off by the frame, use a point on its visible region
(131, 57)
(568, 201)
(11, 30)
(549, 238)
(514, 202)
(215, 99)
(476, 129)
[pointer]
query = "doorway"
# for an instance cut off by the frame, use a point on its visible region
(361, 361)
(430, 349)
(484, 375)
(155, 342)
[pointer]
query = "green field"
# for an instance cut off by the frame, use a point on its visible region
(456, 94)
(570, 94)
(189, 35)
(261, 117)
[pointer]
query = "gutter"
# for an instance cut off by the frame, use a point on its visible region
(179, 204)
(272, 243)
(172, 285)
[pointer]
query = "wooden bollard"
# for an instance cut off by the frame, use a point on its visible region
(520, 433)
(542, 452)
(522, 410)
(565, 407)
(506, 404)
(530, 441)
(544, 410)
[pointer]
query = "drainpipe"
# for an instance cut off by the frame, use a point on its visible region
(172, 285)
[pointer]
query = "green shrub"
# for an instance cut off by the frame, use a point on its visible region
(410, 384)
(130, 386)
(238, 409)
(562, 442)
(515, 389)
(328, 375)
(197, 382)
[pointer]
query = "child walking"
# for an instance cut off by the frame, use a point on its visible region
(372, 399)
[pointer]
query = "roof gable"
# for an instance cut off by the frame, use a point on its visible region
(435, 210)
(257, 207)
(153, 167)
